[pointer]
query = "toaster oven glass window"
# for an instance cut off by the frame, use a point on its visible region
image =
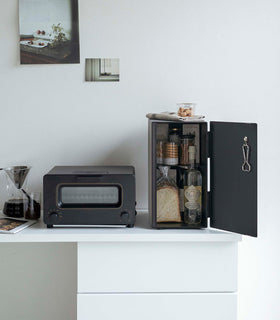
(90, 196)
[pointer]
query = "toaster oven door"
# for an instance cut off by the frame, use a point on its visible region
(89, 196)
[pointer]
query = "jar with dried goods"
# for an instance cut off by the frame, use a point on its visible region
(186, 141)
(170, 153)
(160, 151)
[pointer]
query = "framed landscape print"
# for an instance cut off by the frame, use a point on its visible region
(49, 31)
(105, 69)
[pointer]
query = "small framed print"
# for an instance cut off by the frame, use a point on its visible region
(102, 69)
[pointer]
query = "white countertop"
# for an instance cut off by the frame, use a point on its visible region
(140, 233)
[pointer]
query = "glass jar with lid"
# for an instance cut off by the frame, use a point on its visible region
(186, 109)
(161, 139)
(185, 142)
(170, 154)
(160, 151)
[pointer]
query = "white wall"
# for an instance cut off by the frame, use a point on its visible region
(224, 55)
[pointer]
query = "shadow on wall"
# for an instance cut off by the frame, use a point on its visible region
(130, 151)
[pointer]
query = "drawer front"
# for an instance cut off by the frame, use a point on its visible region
(157, 267)
(179, 306)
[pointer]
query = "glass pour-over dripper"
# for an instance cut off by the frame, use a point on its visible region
(17, 200)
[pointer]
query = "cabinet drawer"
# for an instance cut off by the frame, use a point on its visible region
(157, 267)
(179, 306)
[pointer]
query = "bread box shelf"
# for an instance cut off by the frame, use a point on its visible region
(231, 201)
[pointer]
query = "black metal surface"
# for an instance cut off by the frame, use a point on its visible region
(153, 173)
(124, 177)
(233, 203)
(89, 171)
(203, 169)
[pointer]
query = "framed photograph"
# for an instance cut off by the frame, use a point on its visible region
(102, 69)
(49, 31)
(13, 225)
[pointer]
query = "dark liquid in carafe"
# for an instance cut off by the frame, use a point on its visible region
(15, 208)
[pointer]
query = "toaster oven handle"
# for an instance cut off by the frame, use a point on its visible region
(89, 178)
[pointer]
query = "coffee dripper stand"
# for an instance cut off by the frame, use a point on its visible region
(18, 201)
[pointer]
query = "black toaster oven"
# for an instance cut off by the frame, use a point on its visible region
(89, 196)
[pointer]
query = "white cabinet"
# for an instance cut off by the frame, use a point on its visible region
(157, 267)
(159, 274)
(157, 306)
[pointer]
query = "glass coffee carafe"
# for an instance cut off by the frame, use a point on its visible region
(18, 202)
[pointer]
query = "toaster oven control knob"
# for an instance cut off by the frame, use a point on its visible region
(124, 216)
(53, 216)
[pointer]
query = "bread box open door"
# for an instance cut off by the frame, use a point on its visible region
(233, 177)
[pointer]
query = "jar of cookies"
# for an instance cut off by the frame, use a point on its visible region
(186, 109)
